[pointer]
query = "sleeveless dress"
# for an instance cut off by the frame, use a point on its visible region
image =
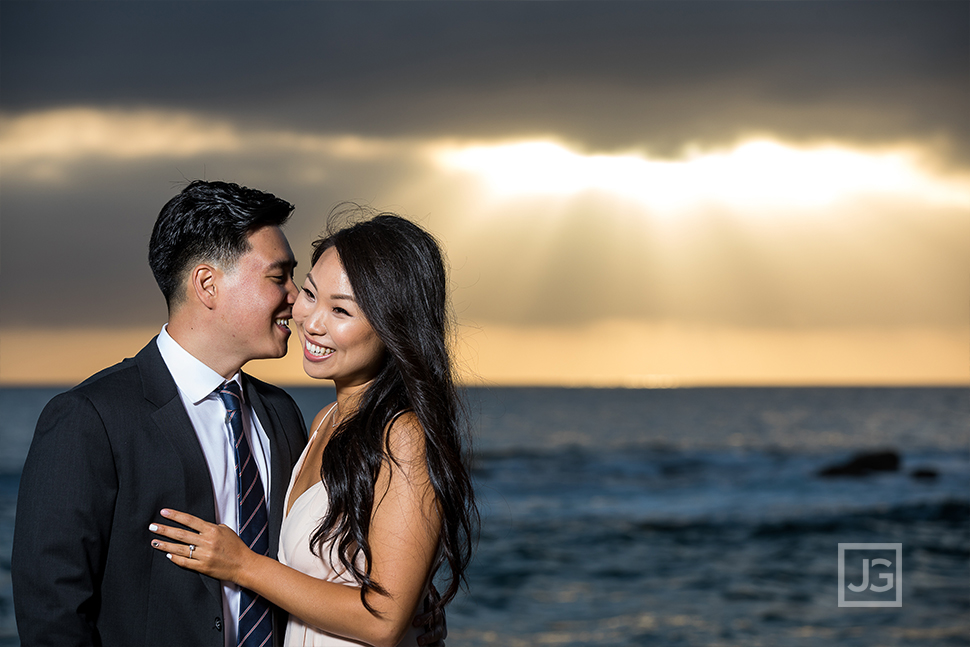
(298, 524)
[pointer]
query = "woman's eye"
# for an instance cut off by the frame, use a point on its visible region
(340, 311)
(308, 293)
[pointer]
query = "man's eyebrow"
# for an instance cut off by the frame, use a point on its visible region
(283, 265)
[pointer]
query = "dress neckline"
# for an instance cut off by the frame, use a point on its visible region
(298, 470)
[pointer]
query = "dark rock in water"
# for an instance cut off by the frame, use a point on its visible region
(864, 464)
(924, 474)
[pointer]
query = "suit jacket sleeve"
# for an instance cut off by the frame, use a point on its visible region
(65, 505)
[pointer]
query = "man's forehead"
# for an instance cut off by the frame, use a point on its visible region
(269, 248)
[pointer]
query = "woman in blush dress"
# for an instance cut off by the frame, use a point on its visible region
(381, 497)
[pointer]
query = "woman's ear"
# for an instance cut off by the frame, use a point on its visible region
(204, 283)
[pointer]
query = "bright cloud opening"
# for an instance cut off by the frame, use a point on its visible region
(755, 174)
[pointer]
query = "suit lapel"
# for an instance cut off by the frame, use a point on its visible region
(172, 421)
(279, 465)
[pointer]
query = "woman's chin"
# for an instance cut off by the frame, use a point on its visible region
(315, 370)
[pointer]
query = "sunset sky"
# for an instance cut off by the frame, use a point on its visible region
(629, 193)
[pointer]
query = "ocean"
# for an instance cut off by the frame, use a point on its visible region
(688, 516)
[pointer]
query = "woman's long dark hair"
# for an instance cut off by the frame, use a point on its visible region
(398, 277)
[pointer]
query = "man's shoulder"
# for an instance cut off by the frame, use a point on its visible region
(123, 371)
(111, 396)
(126, 376)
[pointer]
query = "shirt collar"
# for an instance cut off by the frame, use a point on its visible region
(193, 378)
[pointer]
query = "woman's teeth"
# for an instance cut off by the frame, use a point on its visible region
(318, 351)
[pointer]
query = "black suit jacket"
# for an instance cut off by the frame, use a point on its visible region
(105, 458)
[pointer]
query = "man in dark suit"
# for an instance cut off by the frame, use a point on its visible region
(149, 433)
(154, 432)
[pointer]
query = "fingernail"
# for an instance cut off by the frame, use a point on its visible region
(169, 555)
(165, 512)
(153, 528)
(155, 544)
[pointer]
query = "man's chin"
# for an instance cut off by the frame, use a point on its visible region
(274, 354)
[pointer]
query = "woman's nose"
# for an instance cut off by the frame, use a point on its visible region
(315, 324)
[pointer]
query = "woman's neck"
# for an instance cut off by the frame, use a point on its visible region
(348, 399)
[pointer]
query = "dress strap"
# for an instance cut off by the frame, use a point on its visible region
(320, 424)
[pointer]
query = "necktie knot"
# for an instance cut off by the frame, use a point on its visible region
(230, 395)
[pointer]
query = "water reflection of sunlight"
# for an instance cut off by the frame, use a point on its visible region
(752, 175)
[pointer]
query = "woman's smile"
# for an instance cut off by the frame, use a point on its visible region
(316, 353)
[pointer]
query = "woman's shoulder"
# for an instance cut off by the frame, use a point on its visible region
(405, 422)
(405, 435)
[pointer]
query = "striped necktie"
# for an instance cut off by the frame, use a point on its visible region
(255, 627)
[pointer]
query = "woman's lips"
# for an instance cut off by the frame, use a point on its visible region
(315, 352)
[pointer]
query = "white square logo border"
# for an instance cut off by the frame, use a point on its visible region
(898, 585)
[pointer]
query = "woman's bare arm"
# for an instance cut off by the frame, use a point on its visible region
(403, 536)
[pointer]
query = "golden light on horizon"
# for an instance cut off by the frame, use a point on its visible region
(629, 354)
(753, 175)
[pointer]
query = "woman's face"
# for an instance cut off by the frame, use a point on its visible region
(338, 341)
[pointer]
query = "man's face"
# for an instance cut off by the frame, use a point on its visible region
(257, 298)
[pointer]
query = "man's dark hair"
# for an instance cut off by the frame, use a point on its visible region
(208, 222)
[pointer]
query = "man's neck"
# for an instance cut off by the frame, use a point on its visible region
(197, 342)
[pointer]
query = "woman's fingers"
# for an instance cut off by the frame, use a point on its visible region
(177, 550)
(178, 553)
(214, 550)
(193, 536)
(185, 519)
(187, 550)
(208, 551)
(178, 534)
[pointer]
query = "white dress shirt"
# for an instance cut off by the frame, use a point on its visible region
(196, 384)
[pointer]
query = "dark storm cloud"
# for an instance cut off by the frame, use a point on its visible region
(604, 74)
(607, 75)
(79, 257)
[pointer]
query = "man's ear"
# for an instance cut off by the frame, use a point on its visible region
(203, 282)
